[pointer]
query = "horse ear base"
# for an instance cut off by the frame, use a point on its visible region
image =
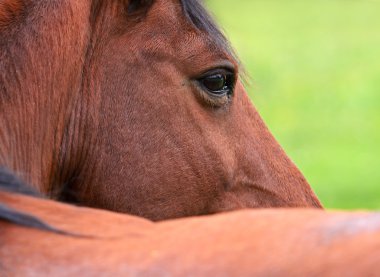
(9, 11)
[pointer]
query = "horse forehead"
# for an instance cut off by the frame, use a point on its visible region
(170, 30)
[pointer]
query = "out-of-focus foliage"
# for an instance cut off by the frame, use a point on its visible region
(315, 69)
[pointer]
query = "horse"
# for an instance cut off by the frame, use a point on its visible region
(255, 242)
(136, 107)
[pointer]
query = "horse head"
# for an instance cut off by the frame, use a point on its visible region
(135, 106)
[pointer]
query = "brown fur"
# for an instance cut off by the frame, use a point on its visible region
(247, 243)
(103, 109)
(9, 11)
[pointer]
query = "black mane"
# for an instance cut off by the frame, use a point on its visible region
(10, 183)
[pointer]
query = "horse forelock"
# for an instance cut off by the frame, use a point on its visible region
(9, 10)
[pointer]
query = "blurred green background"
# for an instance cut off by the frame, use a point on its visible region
(315, 70)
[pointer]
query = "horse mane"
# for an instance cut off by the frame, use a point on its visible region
(9, 182)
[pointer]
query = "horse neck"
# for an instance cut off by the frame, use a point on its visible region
(34, 116)
(40, 83)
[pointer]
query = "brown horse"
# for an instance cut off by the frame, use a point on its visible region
(134, 106)
(245, 243)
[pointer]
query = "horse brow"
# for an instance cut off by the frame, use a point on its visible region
(197, 14)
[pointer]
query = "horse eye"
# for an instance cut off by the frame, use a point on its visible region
(219, 84)
(215, 83)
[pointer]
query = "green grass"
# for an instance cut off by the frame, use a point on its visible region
(315, 68)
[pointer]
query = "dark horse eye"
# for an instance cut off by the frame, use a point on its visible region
(218, 83)
(215, 82)
(138, 5)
